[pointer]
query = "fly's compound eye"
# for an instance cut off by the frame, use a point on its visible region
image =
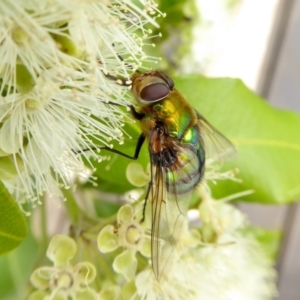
(170, 82)
(166, 79)
(154, 92)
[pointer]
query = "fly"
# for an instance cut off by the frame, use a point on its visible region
(179, 140)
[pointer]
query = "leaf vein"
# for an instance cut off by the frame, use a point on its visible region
(4, 234)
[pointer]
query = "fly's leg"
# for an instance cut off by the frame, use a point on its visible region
(118, 80)
(134, 157)
(122, 59)
(139, 145)
(138, 116)
(145, 202)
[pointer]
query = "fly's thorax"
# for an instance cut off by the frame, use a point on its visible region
(178, 115)
(165, 108)
(163, 112)
(174, 112)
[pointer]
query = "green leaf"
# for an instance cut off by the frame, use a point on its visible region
(267, 139)
(16, 268)
(13, 228)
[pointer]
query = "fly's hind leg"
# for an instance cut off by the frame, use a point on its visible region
(145, 202)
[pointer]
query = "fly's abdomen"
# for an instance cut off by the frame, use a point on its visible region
(182, 161)
(187, 170)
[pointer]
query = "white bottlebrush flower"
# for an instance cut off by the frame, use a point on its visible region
(220, 272)
(53, 91)
(233, 267)
(216, 261)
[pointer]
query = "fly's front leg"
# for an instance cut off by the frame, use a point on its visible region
(134, 157)
(138, 116)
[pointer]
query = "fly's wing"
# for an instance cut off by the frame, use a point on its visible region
(217, 147)
(168, 217)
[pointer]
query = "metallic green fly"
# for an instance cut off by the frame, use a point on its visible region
(179, 140)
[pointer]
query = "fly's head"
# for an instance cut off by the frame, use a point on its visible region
(151, 87)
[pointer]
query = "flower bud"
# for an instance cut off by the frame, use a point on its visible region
(61, 249)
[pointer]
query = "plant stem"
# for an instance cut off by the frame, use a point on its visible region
(44, 228)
